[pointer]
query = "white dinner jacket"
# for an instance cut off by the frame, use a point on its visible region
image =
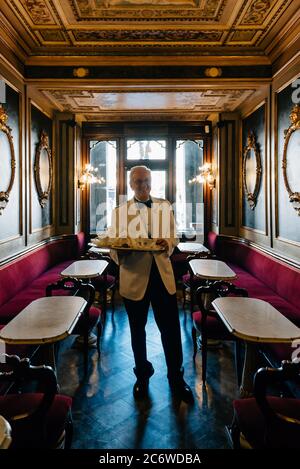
(135, 266)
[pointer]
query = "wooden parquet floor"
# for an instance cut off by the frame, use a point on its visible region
(106, 414)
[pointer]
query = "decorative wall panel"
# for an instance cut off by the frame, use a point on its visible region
(288, 221)
(256, 218)
(11, 217)
(40, 216)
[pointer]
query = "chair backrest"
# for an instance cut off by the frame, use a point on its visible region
(219, 288)
(21, 371)
(73, 287)
(280, 430)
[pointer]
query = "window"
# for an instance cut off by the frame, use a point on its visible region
(173, 155)
(153, 154)
(146, 149)
(189, 197)
(103, 197)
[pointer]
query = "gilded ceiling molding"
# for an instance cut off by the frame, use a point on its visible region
(255, 153)
(43, 146)
(212, 10)
(259, 10)
(294, 127)
(38, 11)
(147, 35)
(4, 195)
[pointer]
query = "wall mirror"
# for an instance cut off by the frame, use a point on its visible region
(7, 161)
(251, 170)
(43, 169)
(291, 158)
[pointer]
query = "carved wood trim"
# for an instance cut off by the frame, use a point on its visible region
(251, 144)
(4, 195)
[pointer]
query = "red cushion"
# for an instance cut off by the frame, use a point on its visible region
(257, 289)
(55, 420)
(212, 239)
(98, 282)
(180, 257)
(252, 423)
(94, 317)
(196, 280)
(32, 292)
(283, 279)
(19, 273)
(214, 327)
(81, 243)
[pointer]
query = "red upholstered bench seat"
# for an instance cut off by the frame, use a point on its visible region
(266, 278)
(25, 278)
(30, 293)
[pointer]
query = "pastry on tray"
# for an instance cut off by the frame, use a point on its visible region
(138, 244)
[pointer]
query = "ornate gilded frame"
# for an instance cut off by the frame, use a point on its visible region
(4, 195)
(43, 145)
(295, 125)
(251, 144)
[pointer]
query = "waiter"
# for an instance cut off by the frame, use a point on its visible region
(147, 277)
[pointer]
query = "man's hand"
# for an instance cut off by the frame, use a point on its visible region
(162, 242)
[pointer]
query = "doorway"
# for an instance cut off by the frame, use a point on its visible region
(174, 159)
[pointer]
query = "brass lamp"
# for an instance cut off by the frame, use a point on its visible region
(205, 175)
(89, 176)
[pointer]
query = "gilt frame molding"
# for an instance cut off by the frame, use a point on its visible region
(294, 126)
(252, 144)
(43, 145)
(4, 195)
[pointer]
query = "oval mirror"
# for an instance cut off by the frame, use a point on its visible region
(43, 169)
(251, 170)
(291, 158)
(8, 161)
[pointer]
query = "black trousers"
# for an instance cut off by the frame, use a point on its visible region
(166, 316)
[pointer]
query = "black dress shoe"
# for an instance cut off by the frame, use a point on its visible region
(182, 391)
(140, 388)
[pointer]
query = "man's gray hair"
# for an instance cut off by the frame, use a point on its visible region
(136, 168)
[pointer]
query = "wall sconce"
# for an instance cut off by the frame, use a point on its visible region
(88, 176)
(205, 175)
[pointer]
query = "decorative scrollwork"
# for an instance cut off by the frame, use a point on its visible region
(43, 146)
(252, 145)
(4, 195)
(295, 125)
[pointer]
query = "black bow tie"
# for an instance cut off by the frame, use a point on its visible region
(148, 202)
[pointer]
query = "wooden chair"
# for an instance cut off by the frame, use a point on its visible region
(107, 282)
(268, 421)
(207, 323)
(38, 419)
(190, 282)
(91, 316)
